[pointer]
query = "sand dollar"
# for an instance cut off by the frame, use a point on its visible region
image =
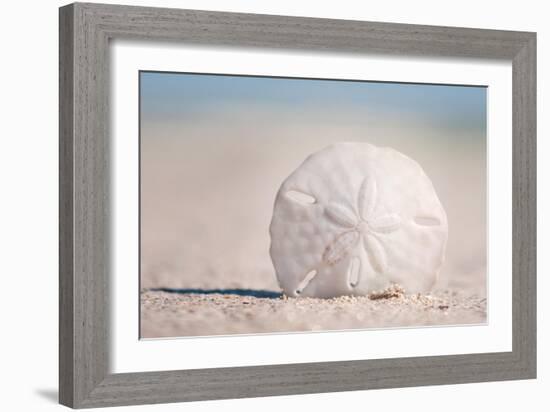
(355, 218)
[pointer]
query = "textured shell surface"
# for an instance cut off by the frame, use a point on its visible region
(366, 217)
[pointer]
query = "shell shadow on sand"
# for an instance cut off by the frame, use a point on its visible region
(266, 294)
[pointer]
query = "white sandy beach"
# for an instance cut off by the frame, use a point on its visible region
(206, 206)
(188, 314)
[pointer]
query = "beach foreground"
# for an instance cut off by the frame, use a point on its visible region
(170, 313)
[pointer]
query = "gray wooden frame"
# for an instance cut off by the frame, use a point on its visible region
(85, 31)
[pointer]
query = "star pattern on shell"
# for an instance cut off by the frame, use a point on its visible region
(361, 226)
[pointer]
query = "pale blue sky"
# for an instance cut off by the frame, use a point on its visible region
(175, 96)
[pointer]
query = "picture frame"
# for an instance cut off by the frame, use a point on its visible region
(84, 355)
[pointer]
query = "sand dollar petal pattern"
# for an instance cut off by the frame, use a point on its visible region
(341, 247)
(341, 215)
(366, 198)
(376, 253)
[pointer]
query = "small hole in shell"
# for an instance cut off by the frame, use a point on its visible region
(426, 221)
(353, 271)
(300, 197)
(305, 281)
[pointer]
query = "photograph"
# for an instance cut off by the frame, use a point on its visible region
(300, 205)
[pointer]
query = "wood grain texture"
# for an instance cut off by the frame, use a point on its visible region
(524, 161)
(85, 31)
(66, 228)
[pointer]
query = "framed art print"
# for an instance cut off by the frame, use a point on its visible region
(245, 134)
(258, 205)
